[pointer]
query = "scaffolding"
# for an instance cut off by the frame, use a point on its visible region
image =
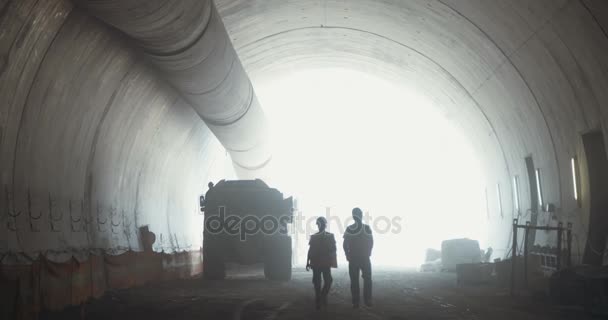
(529, 227)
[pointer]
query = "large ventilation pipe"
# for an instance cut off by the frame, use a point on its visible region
(187, 41)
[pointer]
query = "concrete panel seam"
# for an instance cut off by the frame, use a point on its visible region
(22, 118)
(537, 102)
(594, 17)
(578, 65)
(507, 57)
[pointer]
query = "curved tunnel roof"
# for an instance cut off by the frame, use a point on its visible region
(520, 77)
(534, 70)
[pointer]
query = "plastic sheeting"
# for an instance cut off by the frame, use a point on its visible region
(26, 289)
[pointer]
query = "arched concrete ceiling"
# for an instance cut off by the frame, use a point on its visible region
(84, 117)
(520, 77)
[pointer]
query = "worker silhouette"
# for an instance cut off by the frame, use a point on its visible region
(210, 185)
(358, 244)
(321, 258)
(206, 196)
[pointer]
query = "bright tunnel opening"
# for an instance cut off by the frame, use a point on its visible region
(344, 138)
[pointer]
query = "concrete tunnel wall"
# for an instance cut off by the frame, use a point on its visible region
(85, 117)
(86, 121)
(522, 78)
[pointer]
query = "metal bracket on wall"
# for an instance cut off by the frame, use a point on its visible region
(74, 222)
(32, 218)
(86, 219)
(99, 221)
(11, 213)
(114, 225)
(52, 219)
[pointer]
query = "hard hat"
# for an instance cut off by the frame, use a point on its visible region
(357, 212)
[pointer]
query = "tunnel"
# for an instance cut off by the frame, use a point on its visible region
(114, 116)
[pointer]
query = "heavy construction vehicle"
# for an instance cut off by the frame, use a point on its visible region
(246, 223)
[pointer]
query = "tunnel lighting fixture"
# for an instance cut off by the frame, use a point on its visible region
(539, 188)
(498, 193)
(487, 203)
(575, 178)
(516, 199)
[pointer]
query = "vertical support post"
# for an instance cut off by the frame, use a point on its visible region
(526, 232)
(6, 200)
(514, 256)
(569, 245)
(560, 231)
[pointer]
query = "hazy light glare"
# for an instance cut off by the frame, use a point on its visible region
(344, 138)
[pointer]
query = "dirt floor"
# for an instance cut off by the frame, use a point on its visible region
(397, 295)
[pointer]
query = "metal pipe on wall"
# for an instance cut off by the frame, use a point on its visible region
(188, 42)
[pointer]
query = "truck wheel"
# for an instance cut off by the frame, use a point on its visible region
(213, 263)
(277, 258)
